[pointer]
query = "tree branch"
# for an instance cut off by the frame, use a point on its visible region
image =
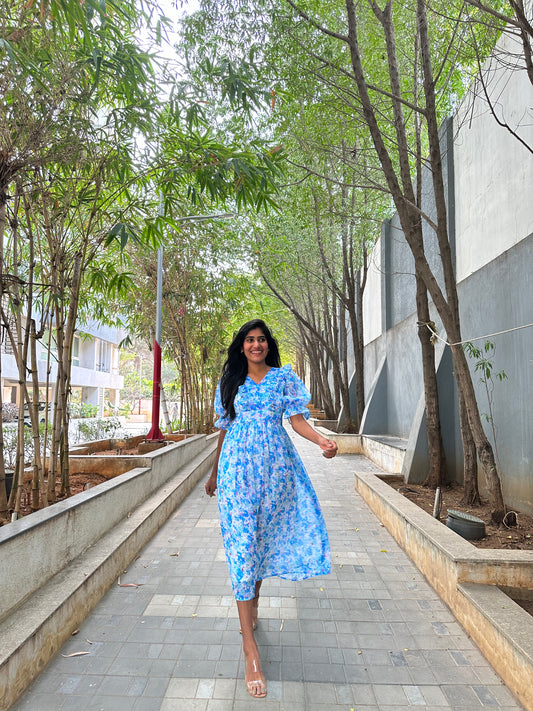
(308, 18)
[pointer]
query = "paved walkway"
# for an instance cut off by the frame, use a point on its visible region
(372, 636)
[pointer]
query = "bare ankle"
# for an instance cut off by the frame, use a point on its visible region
(250, 650)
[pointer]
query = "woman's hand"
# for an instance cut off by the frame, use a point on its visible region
(328, 447)
(211, 485)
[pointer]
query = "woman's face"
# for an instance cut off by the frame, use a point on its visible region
(255, 346)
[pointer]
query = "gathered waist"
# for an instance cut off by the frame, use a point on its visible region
(259, 416)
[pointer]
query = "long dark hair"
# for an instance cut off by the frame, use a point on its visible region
(235, 368)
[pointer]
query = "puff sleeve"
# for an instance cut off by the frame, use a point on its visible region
(224, 422)
(296, 396)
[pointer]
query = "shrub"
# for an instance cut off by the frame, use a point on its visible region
(99, 428)
(10, 444)
(10, 411)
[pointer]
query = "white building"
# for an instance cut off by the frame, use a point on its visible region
(95, 378)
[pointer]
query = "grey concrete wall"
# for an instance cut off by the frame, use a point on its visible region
(51, 538)
(495, 298)
(396, 258)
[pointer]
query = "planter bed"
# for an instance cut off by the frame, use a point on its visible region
(62, 559)
(470, 580)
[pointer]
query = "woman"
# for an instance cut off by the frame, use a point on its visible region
(269, 514)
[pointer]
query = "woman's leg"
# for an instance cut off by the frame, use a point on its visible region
(255, 613)
(253, 674)
(255, 606)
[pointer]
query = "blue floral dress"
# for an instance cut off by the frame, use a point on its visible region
(269, 513)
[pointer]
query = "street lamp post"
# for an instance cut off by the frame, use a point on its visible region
(155, 434)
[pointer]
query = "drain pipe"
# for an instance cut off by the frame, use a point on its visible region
(437, 506)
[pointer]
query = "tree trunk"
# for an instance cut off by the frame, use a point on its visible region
(38, 497)
(164, 407)
(437, 462)
(3, 498)
(471, 491)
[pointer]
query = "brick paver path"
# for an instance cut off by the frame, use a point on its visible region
(372, 636)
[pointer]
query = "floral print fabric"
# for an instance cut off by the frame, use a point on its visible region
(269, 513)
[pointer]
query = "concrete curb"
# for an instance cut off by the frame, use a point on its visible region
(466, 578)
(38, 628)
(387, 452)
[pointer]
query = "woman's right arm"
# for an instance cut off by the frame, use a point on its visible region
(211, 483)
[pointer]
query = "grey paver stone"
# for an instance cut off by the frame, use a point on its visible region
(129, 667)
(292, 671)
(162, 667)
(206, 688)
(320, 693)
(460, 695)
(316, 655)
(193, 651)
(220, 705)
(459, 658)
(68, 685)
(388, 694)
(398, 659)
(183, 705)
(156, 687)
(224, 689)
(230, 652)
(145, 704)
(135, 650)
(137, 686)
(421, 675)
(325, 672)
(485, 696)
(260, 704)
(227, 669)
(117, 703)
(433, 696)
(115, 685)
(414, 695)
(389, 675)
(291, 692)
(213, 652)
(43, 702)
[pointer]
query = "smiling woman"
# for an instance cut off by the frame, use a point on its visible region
(255, 349)
(269, 513)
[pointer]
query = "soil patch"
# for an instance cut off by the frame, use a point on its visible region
(78, 483)
(519, 537)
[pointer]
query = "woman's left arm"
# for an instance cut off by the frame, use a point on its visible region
(303, 428)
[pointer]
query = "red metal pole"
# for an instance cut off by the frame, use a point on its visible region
(155, 433)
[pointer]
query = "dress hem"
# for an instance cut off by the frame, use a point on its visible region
(293, 577)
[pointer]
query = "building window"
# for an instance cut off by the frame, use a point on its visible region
(47, 346)
(53, 349)
(76, 350)
(103, 356)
